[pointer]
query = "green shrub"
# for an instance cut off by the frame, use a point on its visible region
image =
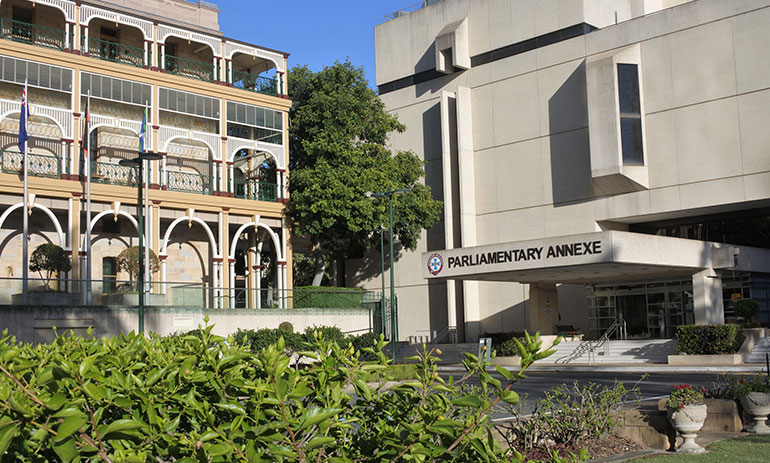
(746, 308)
(193, 398)
(286, 326)
(332, 333)
(503, 343)
(708, 339)
(321, 297)
(256, 340)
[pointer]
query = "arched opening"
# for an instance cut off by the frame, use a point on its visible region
(188, 167)
(112, 41)
(189, 59)
(107, 147)
(255, 176)
(187, 268)
(253, 73)
(255, 270)
(30, 22)
(44, 147)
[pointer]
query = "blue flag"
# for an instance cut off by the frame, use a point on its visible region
(143, 132)
(23, 137)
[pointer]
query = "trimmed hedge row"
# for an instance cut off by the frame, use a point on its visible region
(503, 342)
(319, 297)
(256, 340)
(709, 339)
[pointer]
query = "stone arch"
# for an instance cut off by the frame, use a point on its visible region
(47, 211)
(278, 157)
(167, 236)
(168, 142)
(112, 211)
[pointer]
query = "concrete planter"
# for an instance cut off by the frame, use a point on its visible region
(57, 298)
(132, 299)
(706, 360)
(757, 404)
(687, 421)
(514, 361)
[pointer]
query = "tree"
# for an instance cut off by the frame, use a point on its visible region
(49, 258)
(338, 152)
(128, 261)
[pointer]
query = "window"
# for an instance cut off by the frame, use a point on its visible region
(630, 114)
(109, 88)
(109, 275)
(36, 74)
(254, 123)
(189, 103)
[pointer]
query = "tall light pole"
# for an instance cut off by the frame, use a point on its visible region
(393, 306)
(138, 164)
(381, 229)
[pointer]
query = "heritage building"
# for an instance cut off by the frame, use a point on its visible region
(217, 112)
(599, 161)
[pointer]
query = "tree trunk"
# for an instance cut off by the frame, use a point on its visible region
(320, 268)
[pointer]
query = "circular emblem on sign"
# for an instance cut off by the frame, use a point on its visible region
(435, 264)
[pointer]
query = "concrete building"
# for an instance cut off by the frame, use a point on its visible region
(599, 160)
(218, 115)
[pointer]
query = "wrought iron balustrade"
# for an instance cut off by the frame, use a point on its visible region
(259, 191)
(40, 165)
(113, 174)
(255, 83)
(190, 68)
(115, 52)
(32, 34)
(189, 182)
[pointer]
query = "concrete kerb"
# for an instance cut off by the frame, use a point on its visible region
(628, 368)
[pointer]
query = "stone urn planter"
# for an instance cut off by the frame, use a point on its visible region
(687, 421)
(757, 404)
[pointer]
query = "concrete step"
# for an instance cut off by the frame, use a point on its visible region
(760, 349)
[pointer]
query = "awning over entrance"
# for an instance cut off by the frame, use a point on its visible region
(606, 256)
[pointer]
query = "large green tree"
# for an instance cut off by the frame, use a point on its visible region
(338, 147)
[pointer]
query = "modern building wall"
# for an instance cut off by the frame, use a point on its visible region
(537, 108)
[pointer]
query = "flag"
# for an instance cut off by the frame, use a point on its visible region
(23, 137)
(143, 132)
(84, 140)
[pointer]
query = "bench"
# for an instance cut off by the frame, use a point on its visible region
(569, 332)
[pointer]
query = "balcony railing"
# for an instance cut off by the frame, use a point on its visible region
(255, 83)
(32, 34)
(113, 174)
(189, 182)
(40, 165)
(190, 68)
(259, 191)
(115, 52)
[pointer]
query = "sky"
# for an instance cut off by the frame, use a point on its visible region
(313, 32)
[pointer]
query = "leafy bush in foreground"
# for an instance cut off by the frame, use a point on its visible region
(204, 399)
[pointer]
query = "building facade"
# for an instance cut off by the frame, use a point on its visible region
(217, 112)
(600, 161)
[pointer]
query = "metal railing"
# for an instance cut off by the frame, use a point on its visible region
(255, 83)
(113, 174)
(189, 182)
(115, 52)
(32, 34)
(617, 328)
(252, 189)
(190, 68)
(40, 165)
(410, 9)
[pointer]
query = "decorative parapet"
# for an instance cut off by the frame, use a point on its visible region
(234, 144)
(165, 31)
(87, 13)
(232, 48)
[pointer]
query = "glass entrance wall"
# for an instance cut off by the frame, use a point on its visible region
(655, 309)
(651, 310)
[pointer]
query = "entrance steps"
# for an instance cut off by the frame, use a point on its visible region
(633, 351)
(574, 352)
(762, 348)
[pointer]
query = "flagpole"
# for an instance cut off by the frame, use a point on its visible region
(87, 133)
(25, 213)
(146, 186)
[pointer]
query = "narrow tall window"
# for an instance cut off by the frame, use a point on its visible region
(630, 114)
(109, 275)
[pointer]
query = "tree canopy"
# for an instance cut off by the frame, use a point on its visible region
(338, 152)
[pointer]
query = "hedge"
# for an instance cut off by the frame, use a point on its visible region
(256, 340)
(503, 342)
(708, 339)
(320, 297)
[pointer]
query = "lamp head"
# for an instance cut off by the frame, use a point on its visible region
(150, 156)
(133, 163)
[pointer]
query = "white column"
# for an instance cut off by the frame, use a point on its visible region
(281, 285)
(230, 179)
(707, 298)
(85, 39)
(164, 174)
(146, 53)
(66, 36)
(162, 64)
(163, 273)
(229, 72)
(231, 290)
(258, 266)
(214, 74)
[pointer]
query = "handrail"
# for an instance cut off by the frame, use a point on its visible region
(112, 174)
(189, 182)
(190, 68)
(603, 342)
(255, 83)
(115, 52)
(32, 33)
(260, 191)
(444, 333)
(40, 165)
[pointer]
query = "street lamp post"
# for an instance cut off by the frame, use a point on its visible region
(381, 229)
(138, 164)
(393, 305)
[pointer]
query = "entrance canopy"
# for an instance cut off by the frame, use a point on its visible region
(607, 256)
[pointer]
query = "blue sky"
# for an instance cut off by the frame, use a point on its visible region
(314, 32)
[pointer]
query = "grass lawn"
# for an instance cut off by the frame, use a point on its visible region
(748, 449)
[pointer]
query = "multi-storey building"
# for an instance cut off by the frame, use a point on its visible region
(217, 113)
(600, 161)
